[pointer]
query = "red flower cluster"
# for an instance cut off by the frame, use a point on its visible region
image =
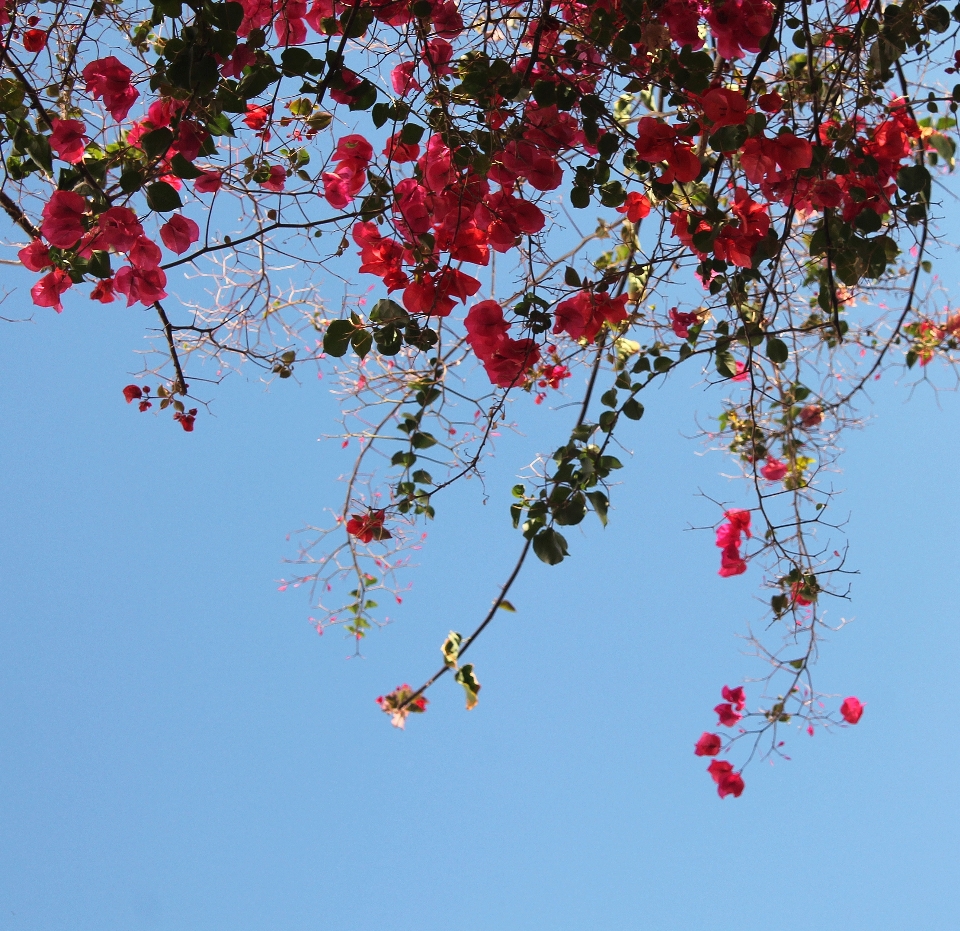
(582, 316)
(728, 539)
(728, 782)
(398, 705)
(504, 359)
(109, 78)
(352, 155)
(733, 702)
(369, 526)
(851, 710)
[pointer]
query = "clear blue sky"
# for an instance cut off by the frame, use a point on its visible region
(181, 751)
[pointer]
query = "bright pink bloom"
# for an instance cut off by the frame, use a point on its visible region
(402, 79)
(208, 183)
(742, 372)
(68, 139)
(735, 696)
(774, 470)
(257, 116)
(277, 180)
(35, 257)
(103, 291)
(708, 745)
(728, 717)
(731, 562)
(681, 322)
(636, 207)
(730, 784)
(179, 233)
(109, 78)
(141, 284)
(46, 292)
(740, 519)
(851, 710)
(368, 526)
(35, 40)
(485, 327)
(145, 253)
(186, 420)
(63, 219)
(117, 228)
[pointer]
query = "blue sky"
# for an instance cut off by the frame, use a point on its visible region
(182, 751)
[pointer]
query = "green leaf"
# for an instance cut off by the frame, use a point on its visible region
(465, 676)
(361, 340)
(600, 504)
(156, 142)
(220, 125)
(777, 350)
(633, 409)
(726, 364)
(550, 546)
(411, 134)
(336, 341)
(507, 606)
(296, 61)
(163, 197)
(451, 649)
(184, 169)
(389, 340)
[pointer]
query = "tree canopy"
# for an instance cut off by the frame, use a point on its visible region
(526, 205)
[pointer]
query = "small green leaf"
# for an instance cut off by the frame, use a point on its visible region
(777, 350)
(184, 169)
(633, 409)
(465, 676)
(550, 546)
(162, 197)
(506, 606)
(156, 142)
(451, 649)
(361, 340)
(336, 341)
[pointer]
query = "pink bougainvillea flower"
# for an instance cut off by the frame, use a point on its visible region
(117, 228)
(731, 562)
(811, 416)
(774, 470)
(681, 322)
(851, 710)
(735, 696)
(728, 782)
(46, 292)
(636, 206)
(257, 116)
(35, 257)
(141, 284)
(398, 704)
(708, 745)
(103, 291)
(740, 519)
(728, 717)
(369, 526)
(63, 219)
(132, 393)
(277, 179)
(109, 78)
(743, 372)
(68, 140)
(186, 419)
(35, 40)
(179, 233)
(208, 183)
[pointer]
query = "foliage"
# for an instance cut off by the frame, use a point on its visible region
(764, 176)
